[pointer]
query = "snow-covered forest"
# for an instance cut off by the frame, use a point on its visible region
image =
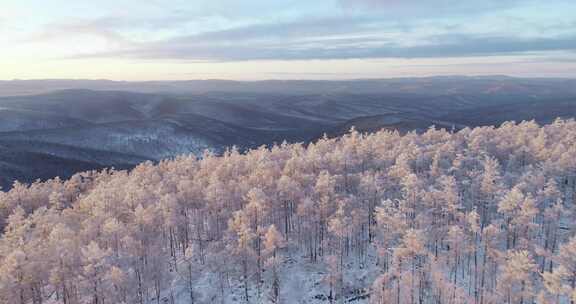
(481, 216)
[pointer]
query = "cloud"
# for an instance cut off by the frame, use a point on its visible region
(441, 46)
(301, 29)
(428, 8)
(111, 28)
(67, 31)
(296, 33)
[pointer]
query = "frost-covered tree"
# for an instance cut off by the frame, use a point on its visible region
(479, 216)
(273, 243)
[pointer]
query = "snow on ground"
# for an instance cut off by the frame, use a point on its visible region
(301, 282)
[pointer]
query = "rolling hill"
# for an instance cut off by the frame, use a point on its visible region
(58, 127)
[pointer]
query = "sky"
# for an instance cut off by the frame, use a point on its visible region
(285, 39)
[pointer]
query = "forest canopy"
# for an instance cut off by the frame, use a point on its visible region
(483, 215)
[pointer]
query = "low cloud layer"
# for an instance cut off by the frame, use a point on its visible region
(350, 35)
(282, 43)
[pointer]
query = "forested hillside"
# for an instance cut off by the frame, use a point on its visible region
(70, 126)
(484, 215)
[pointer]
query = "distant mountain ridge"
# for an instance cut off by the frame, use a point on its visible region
(434, 84)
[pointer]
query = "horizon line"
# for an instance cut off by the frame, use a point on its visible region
(296, 79)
